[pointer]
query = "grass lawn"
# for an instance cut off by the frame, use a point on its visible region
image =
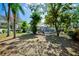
(3, 36)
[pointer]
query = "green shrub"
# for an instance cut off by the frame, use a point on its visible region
(3, 31)
(74, 34)
(24, 27)
(18, 31)
(77, 34)
(71, 34)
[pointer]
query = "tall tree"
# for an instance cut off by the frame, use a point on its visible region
(15, 8)
(36, 16)
(4, 8)
(8, 21)
(35, 20)
(7, 17)
(55, 14)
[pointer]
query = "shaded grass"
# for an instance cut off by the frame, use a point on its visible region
(68, 46)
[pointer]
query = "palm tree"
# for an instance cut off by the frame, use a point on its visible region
(7, 17)
(4, 8)
(15, 8)
(36, 18)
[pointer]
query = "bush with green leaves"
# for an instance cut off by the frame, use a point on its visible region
(3, 31)
(24, 26)
(71, 34)
(18, 31)
(74, 34)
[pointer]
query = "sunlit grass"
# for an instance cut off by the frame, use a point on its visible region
(4, 36)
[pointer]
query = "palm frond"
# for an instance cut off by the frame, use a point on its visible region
(21, 9)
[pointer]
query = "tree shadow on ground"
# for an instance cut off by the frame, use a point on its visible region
(64, 44)
(27, 36)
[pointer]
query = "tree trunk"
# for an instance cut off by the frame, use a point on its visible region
(8, 21)
(5, 9)
(14, 27)
(57, 31)
(8, 28)
(34, 29)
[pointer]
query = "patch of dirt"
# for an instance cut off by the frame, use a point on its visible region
(39, 45)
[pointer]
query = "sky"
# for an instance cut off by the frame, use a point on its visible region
(27, 10)
(25, 17)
